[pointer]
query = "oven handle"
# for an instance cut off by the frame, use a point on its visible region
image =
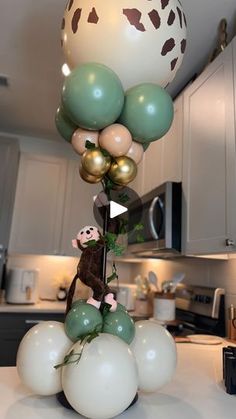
(154, 233)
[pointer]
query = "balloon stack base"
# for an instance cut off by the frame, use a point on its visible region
(64, 402)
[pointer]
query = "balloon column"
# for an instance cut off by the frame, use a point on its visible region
(121, 56)
(109, 48)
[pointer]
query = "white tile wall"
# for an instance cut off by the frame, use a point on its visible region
(53, 267)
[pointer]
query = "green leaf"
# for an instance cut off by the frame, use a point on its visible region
(113, 275)
(105, 152)
(140, 238)
(110, 239)
(123, 198)
(138, 227)
(91, 243)
(89, 145)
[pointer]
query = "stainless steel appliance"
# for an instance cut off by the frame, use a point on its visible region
(22, 286)
(160, 215)
(199, 310)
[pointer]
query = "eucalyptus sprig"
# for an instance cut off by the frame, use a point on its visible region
(113, 275)
(74, 357)
(112, 245)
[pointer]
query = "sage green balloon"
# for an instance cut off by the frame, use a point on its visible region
(148, 112)
(65, 126)
(119, 323)
(81, 320)
(93, 96)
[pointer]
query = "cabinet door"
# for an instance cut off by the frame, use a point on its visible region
(172, 143)
(209, 157)
(9, 159)
(163, 158)
(152, 166)
(39, 205)
(78, 207)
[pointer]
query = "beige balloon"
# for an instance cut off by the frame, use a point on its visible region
(135, 152)
(141, 41)
(116, 139)
(80, 137)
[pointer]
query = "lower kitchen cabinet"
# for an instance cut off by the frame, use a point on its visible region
(13, 327)
(209, 176)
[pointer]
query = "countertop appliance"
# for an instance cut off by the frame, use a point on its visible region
(22, 286)
(125, 295)
(199, 310)
(160, 220)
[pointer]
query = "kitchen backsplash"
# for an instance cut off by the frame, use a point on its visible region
(217, 273)
(55, 269)
(199, 271)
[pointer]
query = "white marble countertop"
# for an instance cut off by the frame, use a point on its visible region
(196, 392)
(43, 306)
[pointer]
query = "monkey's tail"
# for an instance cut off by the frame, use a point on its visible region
(71, 293)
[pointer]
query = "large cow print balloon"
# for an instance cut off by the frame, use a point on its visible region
(140, 40)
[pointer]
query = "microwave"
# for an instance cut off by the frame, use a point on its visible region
(158, 231)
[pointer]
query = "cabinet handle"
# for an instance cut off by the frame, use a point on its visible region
(229, 242)
(33, 321)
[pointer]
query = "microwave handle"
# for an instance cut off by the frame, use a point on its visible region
(155, 201)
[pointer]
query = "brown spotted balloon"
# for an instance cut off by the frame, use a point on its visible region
(141, 40)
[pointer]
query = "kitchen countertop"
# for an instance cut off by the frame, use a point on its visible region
(196, 392)
(43, 306)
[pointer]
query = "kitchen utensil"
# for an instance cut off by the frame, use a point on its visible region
(153, 280)
(164, 306)
(200, 339)
(22, 286)
(170, 286)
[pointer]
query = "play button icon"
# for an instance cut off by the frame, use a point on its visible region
(116, 209)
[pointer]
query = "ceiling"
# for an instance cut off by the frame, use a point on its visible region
(31, 57)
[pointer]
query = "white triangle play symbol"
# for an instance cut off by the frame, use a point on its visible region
(116, 209)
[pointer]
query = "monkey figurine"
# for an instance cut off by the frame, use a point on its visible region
(89, 268)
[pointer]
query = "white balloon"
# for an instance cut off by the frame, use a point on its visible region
(155, 352)
(141, 41)
(43, 347)
(104, 382)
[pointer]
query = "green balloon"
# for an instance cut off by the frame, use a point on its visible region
(120, 307)
(145, 146)
(81, 320)
(93, 96)
(64, 125)
(120, 324)
(148, 112)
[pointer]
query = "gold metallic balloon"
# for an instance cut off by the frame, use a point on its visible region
(95, 163)
(123, 170)
(89, 178)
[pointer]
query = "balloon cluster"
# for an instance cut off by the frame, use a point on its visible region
(99, 375)
(111, 129)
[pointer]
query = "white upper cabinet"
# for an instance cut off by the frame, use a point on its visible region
(52, 203)
(9, 160)
(39, 205)
(163, 159)
(79, 204)
(209, 160)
